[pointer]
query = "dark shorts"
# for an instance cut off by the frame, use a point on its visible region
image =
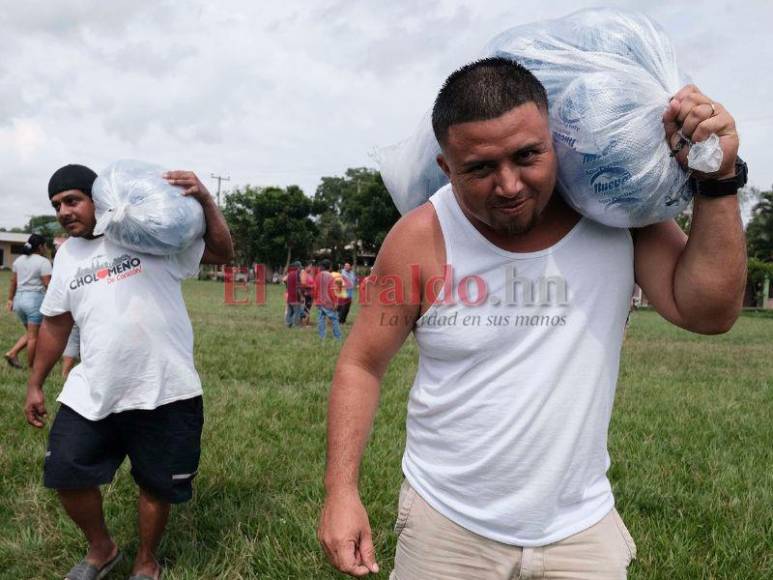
(163, 446)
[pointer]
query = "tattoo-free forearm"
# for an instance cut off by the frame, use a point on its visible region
(353, 402)
(710, 276)
(217, 237)
(52, 340)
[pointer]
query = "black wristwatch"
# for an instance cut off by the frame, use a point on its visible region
(722, 187)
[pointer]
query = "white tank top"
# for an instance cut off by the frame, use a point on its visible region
(509, 411)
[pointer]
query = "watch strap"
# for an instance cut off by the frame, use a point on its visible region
(722, 187)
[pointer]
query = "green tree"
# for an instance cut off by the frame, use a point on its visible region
(270, 225)
(333, 236)
(330, 193)
(45, 225)
(369, 208)
(363, 207)
(759, 230)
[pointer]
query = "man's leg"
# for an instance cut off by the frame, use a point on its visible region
(84, 506)
(153, 516)
(321, 325)
(601, 552)
(307, 301)
(164, 447)
(334, 321)
(432, 547)
(81, 456)
(345, 310)
(297, 312)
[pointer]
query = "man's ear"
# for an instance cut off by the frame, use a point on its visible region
(441, 161)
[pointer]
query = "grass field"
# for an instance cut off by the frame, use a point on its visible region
(691, 445)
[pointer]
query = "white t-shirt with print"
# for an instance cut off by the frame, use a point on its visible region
(136, 337)
(29, 270)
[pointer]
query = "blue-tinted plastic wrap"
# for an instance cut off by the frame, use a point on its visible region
(609, 75)
(138, 209)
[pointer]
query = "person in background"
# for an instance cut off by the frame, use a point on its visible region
(324, 296)
(339, 292)
(12, 356)
(294, 295)
(307, 289)
(30, 278)
(350, 281)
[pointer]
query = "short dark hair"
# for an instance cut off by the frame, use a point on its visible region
(325, 264)
(483, 90)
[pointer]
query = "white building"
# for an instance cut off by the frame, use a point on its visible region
(11, 245)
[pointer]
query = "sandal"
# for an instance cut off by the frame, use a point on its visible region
(13, 361)
(85, 570)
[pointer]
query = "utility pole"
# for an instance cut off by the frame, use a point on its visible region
(220, 179)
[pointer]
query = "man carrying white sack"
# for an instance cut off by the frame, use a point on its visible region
(506, 455)
(136, 391)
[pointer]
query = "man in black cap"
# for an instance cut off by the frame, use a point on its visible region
(136, 391)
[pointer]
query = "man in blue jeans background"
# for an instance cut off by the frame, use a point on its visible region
(324, 291)
(294, 295)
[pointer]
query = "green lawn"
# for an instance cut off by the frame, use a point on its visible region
(690, 443)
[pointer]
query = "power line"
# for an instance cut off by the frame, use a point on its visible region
(220, 179)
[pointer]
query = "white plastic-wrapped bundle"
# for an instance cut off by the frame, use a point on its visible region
(609, 76)
(409, 169)
(138, 209)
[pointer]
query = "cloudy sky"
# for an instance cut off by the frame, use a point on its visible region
(286, 92)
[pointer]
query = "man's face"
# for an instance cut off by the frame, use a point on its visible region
(347, 266)
(503, 170)
(75, 211)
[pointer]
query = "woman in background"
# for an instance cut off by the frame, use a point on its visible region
(30, 278)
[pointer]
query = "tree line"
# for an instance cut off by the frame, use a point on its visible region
(347, 216)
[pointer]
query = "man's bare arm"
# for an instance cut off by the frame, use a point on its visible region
(52, 340)
(697, 282)
(344, 531)
(218, 244)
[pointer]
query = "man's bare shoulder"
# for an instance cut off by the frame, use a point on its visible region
(416, 240)
(415, 231)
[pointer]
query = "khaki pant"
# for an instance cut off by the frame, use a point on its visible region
(432, 547)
